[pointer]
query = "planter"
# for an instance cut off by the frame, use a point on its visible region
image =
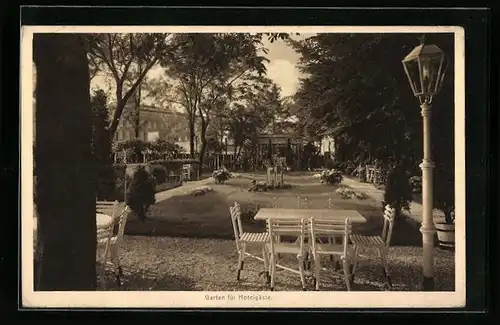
(445, 234)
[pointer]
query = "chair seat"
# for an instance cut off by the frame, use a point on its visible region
(102, 242)
(286, 248)
(254, 237)
(329, 249)
(360, 240)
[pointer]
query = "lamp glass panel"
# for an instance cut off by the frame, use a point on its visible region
(430, 73)
(413, 75)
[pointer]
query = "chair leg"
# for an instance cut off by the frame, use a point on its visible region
(347, 276)
(241, 261)
(300, 258)
(116, 263)
(273, 271)
(266, 263)
(383, 261)
(317, 266)
(354, 262)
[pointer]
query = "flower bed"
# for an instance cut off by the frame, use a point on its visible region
(331, 176)
(221, 175)
(349, 193)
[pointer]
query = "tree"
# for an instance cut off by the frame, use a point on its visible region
(101, 146)
(65, 187)
(207, 68)
(356, 90)
(117, 53)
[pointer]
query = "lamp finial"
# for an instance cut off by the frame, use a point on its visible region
(422, 39)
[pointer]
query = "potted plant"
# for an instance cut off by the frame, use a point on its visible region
(444, 200)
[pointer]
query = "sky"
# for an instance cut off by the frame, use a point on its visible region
(281, 68)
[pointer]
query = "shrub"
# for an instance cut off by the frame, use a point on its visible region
(331, 176)
(221, 175)
(141, 192)
(416, 184)
(159, 173)
(444, 193)
(398, 191)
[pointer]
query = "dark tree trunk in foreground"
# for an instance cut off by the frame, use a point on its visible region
(65, 188)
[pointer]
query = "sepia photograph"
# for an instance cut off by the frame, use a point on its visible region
(230, 167)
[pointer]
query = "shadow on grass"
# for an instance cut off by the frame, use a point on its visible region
(205, 216)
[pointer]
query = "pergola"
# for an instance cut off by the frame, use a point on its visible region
(278, 144)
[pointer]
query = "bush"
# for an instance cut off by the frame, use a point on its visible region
(221, 175)
(159, 173)
(398, 191)
(331, 176)
(416, 184)
(444, 193)
(141, 192)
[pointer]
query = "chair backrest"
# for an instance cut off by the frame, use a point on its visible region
(121, 220)
(107, 207)
(105, 233)
(327, 228)
(235, 212)
(277, 227)
(389, 215)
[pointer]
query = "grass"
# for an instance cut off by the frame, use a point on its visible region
(207, 216)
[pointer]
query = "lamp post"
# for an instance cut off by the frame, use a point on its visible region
(425, 68)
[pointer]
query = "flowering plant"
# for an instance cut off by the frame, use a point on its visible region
(331, 176)
(221, 175)
(348, 193)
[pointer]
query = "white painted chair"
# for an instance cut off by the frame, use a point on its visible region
(246, 239)
(109, 208)
(104, 235)
(330, 228)
(380, 243)
(285, 227)
(186, 172)
(115, 242)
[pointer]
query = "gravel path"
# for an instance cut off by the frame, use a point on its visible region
(188, 264)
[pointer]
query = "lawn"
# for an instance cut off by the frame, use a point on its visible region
(188, 243)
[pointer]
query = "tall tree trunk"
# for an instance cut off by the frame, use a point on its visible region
(137, 115)
(192, 135)
(203, 148)
(65, 187)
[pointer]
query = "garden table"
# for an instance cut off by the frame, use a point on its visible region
(102, 220)
(327, 214)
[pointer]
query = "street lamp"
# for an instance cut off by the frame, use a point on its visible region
(425, 67)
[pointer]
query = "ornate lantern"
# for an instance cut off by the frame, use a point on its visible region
(425, 67)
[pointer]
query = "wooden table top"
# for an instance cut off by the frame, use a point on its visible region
(330, 214)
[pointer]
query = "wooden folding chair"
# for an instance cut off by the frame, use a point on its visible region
(104, 235)
(380, 243)
(330, 228)
(245, 239)
(286, 227)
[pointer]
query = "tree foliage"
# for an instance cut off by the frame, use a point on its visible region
(118, 53)
(355, 89)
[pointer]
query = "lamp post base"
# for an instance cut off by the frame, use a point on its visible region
(428, 284)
